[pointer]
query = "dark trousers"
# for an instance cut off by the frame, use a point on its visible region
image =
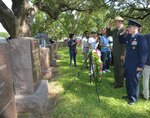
(112, 59)
(118, 70)
(72, 56)
(106, 59)
(132, 84)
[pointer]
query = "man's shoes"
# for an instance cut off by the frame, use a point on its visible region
(131, 102)
(118, 86)
(107, 70)
(125, 97)
(104, 71)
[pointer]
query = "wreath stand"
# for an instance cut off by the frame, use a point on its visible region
(95, 72)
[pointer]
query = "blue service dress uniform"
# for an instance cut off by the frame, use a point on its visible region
(136, 56)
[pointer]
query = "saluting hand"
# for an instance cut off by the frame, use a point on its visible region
(139, 69)
(110, 25)
(122, 58)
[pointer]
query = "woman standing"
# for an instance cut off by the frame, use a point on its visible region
(72, 49)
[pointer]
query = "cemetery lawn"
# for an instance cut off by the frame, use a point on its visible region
(81, 100)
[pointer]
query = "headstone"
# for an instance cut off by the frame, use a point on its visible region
(52, 59)
(7, 102)
(36, 66)
(29, 87)
(46, 70)
(42, 37)
(22, 65)
(55, 50)
(44, 55)
(33, 102)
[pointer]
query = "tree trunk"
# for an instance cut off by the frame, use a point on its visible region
(18, 21)
(22, 28)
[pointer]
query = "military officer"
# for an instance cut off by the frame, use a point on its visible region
(118, 51)
(136, 56)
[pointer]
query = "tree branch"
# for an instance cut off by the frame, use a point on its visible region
(139, 9)
(136, 17)
(6, 13)
(63, 7)
(53, 14)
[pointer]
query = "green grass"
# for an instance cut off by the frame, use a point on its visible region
(81, 100)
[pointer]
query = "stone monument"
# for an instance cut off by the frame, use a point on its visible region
(7, 101)
(31, 91)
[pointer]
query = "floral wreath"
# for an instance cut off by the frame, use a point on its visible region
(98, 63)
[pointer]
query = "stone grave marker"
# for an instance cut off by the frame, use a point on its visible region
(7, 102)
(22, 66)
(35, 54)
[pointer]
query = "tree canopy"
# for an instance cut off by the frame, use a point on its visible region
(60, 17)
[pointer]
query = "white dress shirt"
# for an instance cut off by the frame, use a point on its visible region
(85, 43)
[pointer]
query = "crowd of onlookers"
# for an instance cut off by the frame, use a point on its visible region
(126, 48)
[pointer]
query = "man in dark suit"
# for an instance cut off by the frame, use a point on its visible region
(136, 56)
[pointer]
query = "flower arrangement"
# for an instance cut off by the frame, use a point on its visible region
(98, 63)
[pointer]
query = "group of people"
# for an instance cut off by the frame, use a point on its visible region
(131, 58)
(131, 55)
